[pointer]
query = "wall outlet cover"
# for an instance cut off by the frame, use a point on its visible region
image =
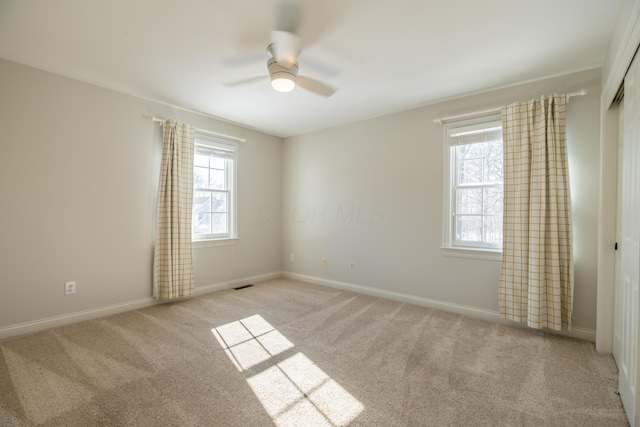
(70, 288)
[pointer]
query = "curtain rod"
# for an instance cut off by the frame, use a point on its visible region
(496, 110)
(221, 135)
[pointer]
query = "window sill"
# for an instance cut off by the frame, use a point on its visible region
(476, 253)
(196, 244)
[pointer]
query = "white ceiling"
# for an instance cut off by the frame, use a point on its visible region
(382, 55)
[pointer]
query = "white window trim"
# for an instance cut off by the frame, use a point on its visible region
(470, 252)
(209, 243)
(232, 238)
(448, 247)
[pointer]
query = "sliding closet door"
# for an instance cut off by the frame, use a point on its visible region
(617, 324)
(627, 301)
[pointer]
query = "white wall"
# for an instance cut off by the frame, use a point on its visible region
(371, 192)
(78, 180)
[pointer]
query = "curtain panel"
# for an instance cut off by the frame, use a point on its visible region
(173, 263)
(536, 280)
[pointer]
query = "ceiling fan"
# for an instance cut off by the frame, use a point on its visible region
(282, 64)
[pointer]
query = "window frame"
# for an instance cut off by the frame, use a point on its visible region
(231, 167)
(450, 245)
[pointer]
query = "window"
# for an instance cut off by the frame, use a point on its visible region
(214, 187)
(473, 205)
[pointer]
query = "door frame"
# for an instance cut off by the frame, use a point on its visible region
(608, 180)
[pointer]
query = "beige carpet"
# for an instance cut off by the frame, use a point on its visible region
(289, 353)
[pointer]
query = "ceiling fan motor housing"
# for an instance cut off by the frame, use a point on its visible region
(279, 71)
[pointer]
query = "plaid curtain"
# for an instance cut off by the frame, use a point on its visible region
(173, 264)
(536, 280)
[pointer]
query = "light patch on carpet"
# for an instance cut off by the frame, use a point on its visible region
(232, 334)
(43, 393)
(275, 343)
(256, 325)
(303, 372)
(294, 391)
(302, 410)
(251, 341)
(336, 403)
(274, 390)
(249, 354)
(297, 392)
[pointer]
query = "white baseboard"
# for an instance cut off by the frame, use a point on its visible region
(201, 290)
(78, 316)
(477, 313)
(65, 319)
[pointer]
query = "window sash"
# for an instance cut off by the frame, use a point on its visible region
(210, 147)
(485, 131)
(483, 216)
(214, 151)
(214, 212)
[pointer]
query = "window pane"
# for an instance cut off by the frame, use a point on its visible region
(469, 151)
(493, 229)
(201, 223)
(493, 148)
(201, 160)
(493, 170)
(217, 162)
(200, 177)
(201, 201)
(492, 201)
(469, 228)
(470, 171)
(219, 202)
(469, 201)
(219, 223)
(217, 179)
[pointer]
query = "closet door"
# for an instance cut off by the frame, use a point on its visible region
(627, 301)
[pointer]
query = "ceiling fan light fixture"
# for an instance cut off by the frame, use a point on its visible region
(283, 82)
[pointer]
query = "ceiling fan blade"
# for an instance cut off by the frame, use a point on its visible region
(243, 82)
(315, 86)
(285, 47)
(326, 71)
(309, 20)
(243, 60)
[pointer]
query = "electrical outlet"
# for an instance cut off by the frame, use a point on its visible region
(70, 288)
(352, 265)
(324, 262)
(292, 257)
